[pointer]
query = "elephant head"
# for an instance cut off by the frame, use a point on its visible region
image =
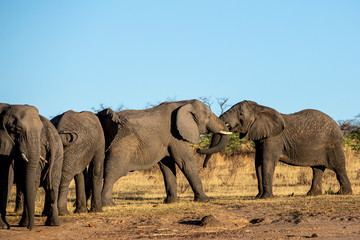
(20, 131)
(251, 120)
(195, 118)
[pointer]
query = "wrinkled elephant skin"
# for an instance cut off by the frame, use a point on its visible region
(139, 139)
(84, 143)
(306, 138)
(20, 129)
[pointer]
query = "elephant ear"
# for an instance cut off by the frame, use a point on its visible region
(111, 122)
(186, 124)
(268, 123)
(68, 137)
(6, 142)
(109, 113)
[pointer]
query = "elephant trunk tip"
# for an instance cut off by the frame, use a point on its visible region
(206, 160)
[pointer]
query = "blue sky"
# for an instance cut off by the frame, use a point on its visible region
(289, 55)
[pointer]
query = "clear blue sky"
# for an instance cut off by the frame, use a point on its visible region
(289, 55)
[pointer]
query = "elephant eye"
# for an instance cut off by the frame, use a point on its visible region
(14, 129)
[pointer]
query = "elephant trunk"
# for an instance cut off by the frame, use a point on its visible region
(30, 152)
(220, 138)
(218, 143)
(30, 188)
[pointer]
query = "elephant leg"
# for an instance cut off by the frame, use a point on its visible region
(19, 169)
(187, 164)
(337, 161)
(168, 169)
(116, 166)
(88, 181)
(316, 186)
(63, 192)
(4, 177)
(345, 186)
(51, 205)
(258, 167)
(47, 204)
(11, 179)
(271, 156)
(97, 176)
(25, 217)
(80, 193)
(109, 180)
(19, 200)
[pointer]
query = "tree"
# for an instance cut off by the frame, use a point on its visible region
(102, 107)
(223, 104)
(207, 100)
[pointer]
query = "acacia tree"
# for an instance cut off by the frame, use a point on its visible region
(223, 104)
(207, 100)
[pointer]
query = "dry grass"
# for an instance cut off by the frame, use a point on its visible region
(232, 177)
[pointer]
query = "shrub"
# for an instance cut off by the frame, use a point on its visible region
(235, 146)
(352, 140)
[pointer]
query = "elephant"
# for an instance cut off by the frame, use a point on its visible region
(23, 138)
(138, 139)
(48, 173)
(305, 138)
(84, 143)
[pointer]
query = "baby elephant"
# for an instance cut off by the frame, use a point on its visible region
(83, 140)
(306, 138)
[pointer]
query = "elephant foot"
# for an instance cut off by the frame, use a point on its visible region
(344, 191)
(202, 199)
(45, 212)
(314, 192)
(267, 195)
(109, 202)
(23, 222)
(63, 211)
(53, 221)
(96, 209)
(258, 196)
(171, 200)
(18, 209)
(81, 210)
(4, 224)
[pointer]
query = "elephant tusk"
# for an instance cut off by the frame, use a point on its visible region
(227, 125)
(43, 159)
(225, 132)
(24, 157)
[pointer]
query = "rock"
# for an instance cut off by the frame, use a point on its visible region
(209, 221)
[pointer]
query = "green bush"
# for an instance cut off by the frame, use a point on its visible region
(235, 145)
(353, 140)
(242, 146)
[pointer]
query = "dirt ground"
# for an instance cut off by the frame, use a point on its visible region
(300, 217)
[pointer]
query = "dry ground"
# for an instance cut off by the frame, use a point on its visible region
(232, 213)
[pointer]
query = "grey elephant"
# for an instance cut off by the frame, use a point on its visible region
(84, 143)
(22, 135)
(306, 138)
(139, 139)
(48, 173)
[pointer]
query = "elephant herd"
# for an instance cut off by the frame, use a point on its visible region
(103, 147)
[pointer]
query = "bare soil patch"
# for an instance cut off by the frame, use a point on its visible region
(324, 217)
